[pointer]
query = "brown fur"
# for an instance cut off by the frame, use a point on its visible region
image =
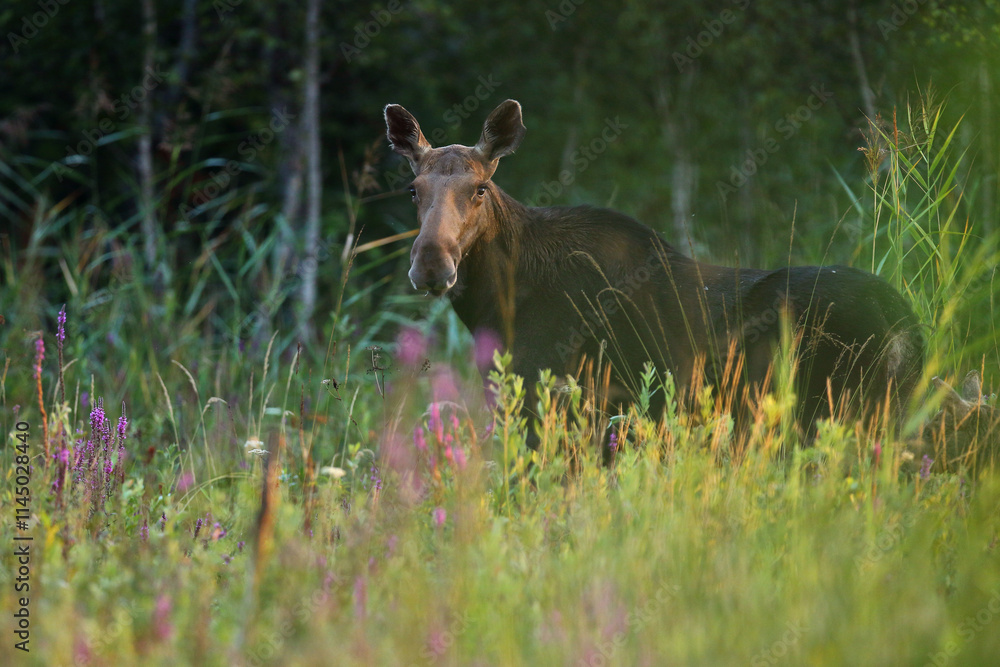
(563, 287)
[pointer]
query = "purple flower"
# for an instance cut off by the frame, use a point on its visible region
(240, 545)
(197, 527)
(613, 442)
(375, 478)
(434, 424)
(144, 531)
(925, 467)
(61, 326)
(459, 458)
(122, 425)
(418, 438)
(440, 516)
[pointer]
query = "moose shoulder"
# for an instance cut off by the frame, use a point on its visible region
(561, 286)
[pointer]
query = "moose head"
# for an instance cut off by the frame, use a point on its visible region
(451, 189)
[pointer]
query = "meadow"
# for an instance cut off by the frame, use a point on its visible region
(201, 488)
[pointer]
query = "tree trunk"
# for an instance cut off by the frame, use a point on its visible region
(867, 95)
(146, 204)
(311, 130)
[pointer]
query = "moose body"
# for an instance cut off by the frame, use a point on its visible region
(561, 286)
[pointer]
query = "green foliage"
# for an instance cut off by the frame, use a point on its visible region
(405, 523)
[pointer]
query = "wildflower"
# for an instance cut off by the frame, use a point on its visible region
(434, 424)
(218, 532)
(332, 471)
(412, 346)
(39, 356)
(440, 516)
(376, 479)
(460, 459)
(613, 442)
(197, 528)
(360, 597)
(144, 531)
(418, 439)
(161, 618)
(61, 326)
(239, 546)
(925, 467)
(185, 482)
(122, 425)
(487, 342)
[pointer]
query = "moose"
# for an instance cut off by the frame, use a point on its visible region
(564, 287)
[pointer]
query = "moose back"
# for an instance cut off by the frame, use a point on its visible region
(561, 286)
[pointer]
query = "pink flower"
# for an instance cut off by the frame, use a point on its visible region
(486, 342)
(412, 346)
(185, 482)
(162, 628)
(418, 439)
(434, 423)
(440, 516)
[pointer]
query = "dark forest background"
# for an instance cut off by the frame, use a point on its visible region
(217, 157)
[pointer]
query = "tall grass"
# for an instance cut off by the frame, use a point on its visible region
(286, 505)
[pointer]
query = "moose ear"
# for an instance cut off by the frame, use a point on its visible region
(972, 388)
(502, 132)
(950, 400)
(404, 134)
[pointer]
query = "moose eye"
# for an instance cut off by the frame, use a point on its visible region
(413, 193)
(481, 190)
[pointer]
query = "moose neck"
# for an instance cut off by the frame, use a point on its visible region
(487, 270)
